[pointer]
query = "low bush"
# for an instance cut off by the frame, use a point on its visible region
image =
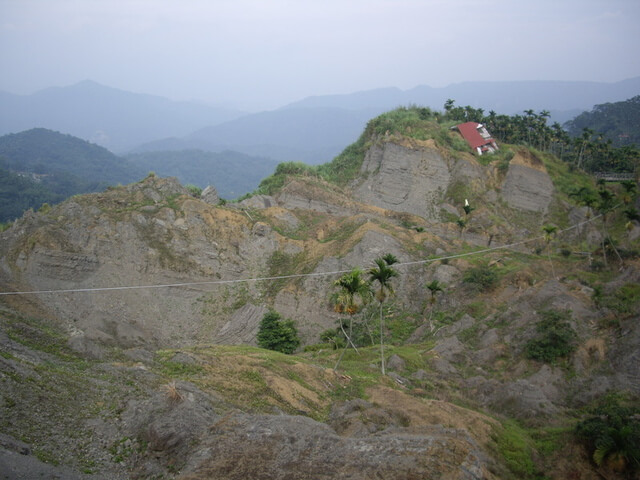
(482, 278)
(555, 339)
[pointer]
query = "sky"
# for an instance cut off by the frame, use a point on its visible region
(262, 54)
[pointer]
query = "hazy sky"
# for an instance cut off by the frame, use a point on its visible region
(260, 54)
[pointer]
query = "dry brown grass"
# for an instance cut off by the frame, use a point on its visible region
(173, 394)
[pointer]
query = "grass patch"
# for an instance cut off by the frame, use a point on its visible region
(514, 446)
(175, 369)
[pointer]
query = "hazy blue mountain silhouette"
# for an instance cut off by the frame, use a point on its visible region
(563, 99)
(311, 135)
(112, 118)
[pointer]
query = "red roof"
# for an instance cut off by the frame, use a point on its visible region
(470, 133)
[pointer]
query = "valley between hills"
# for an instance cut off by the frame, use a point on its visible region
(510, 344)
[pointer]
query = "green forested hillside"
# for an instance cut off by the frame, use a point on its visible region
(19, 193)
(618, 122)
(41, 165)
(45, 152)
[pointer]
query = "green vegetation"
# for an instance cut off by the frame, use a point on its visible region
(194, 190)
(623, 300)
(353, 291)
(481, 278)
(176, 369)
(39, 165)
(346, 166)
(556, 338)
(277, 334)
(275, 182)
(612, 433)
(515, 448)
(615, 122)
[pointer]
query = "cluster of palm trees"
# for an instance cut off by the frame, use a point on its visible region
(355, 291)
(591, 151)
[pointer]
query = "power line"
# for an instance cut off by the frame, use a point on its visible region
(284, 277)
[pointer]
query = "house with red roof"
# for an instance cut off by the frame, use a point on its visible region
(477, 137)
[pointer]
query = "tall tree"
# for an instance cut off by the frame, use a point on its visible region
(434, 287)
(353, 292)
(383, 273)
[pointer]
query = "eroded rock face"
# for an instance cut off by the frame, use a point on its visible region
(527, 188)
(244, 446)
(404, 179)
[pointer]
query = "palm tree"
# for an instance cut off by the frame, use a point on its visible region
(353, 292)
(434, 287)
(549, 233)
(383, 274)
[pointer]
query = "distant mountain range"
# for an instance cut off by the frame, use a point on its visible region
(564, 100)
(313, 130)
(310, 135)
(115, 119)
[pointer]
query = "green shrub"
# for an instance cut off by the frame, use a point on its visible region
(277, 334)
(625, 299)
(194, 190)
(555, 337)
(275, 182)
(612, 434)
(482, 278)
(44, 208)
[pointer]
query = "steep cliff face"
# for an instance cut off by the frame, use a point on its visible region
(413, 176)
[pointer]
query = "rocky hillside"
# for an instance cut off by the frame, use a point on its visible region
(143, 288)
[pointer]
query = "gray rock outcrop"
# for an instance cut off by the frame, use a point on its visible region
(527, 188)
(301, 448)
(404, 179)
(210, 195)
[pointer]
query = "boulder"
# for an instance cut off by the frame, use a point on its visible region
(210, 195)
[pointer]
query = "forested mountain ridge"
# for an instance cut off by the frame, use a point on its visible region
(42, 166)
(618, 122)
(45, 151)
(509, 333)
